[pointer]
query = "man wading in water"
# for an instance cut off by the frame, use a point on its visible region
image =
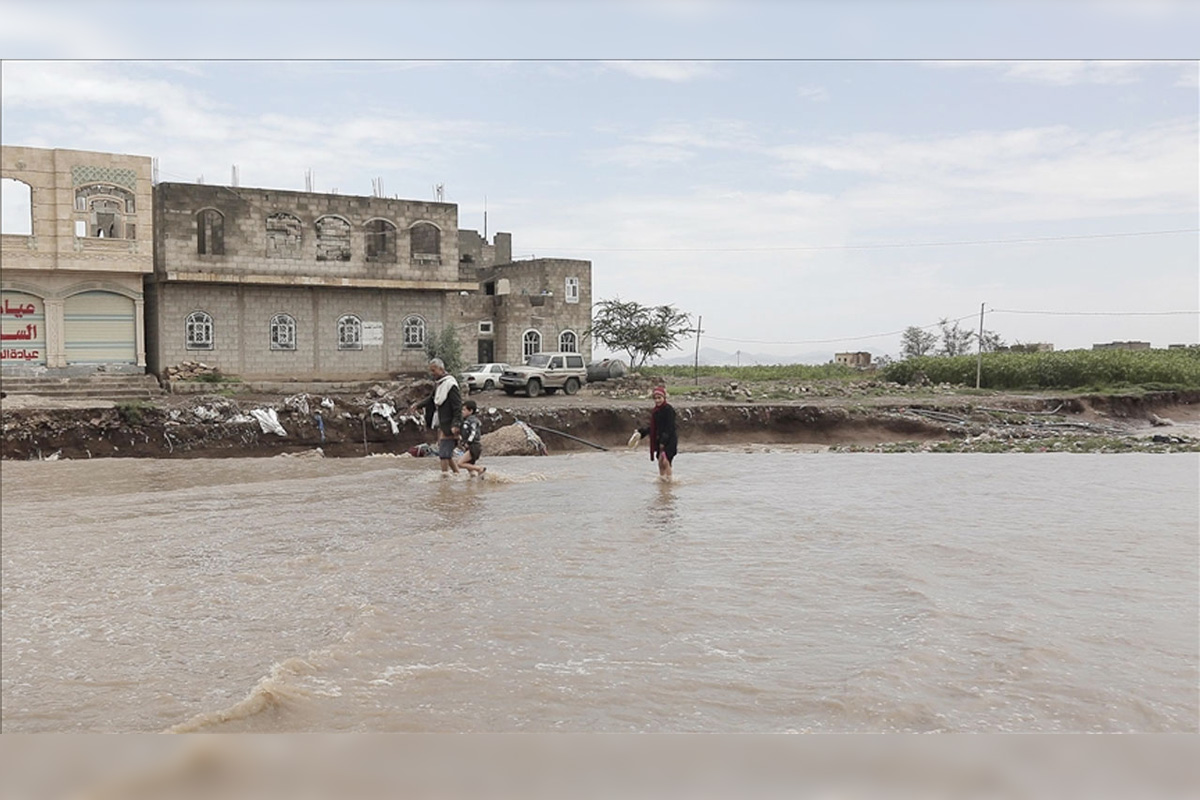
(446, 405)
(661, 430)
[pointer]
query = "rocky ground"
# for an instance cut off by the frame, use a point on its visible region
(865, 416)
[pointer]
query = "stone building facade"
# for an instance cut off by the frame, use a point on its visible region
(268, 284)
(530, 306)
(76, 244)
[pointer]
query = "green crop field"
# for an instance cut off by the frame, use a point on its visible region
(1068, 369)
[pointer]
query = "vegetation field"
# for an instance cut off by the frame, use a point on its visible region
(1085, 370)
(773, 372)
(1092, 370)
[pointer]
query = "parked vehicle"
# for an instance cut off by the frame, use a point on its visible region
(478, 377)
(603, 370)
(546, 372)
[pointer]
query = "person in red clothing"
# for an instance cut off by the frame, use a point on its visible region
(664, 439)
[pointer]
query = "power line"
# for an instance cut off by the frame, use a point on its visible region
(1094, 313)
(960, 319)
(879, 246)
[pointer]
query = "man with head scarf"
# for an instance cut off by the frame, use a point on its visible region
(444, 406)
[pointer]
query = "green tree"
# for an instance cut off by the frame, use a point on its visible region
(916, 342)
(640, 331)
(956, 341)
(991, 341)
(446, 347)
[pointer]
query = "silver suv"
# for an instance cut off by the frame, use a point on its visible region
(546, 372)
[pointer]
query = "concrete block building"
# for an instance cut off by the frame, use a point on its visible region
(76, 244)
(268, 284)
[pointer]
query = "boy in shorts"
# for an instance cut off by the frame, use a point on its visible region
(471, 432)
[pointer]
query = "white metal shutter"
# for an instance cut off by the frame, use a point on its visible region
(22, 329)
(100, 329)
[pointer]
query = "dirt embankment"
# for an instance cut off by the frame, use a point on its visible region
(855, 417)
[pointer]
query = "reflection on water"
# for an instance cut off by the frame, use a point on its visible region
(754, 592)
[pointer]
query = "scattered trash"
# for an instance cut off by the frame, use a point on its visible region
(269, 420)
(299, 402)
(388, 412)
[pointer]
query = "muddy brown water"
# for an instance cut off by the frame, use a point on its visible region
(763, 591)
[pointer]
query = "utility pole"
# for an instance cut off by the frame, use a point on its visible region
(696, 363)
(979, 354)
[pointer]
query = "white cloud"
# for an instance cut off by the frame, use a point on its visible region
(1190, 77)
(1060, 73)
(47, 30)
(672, 71)
(192, 134)
(1026, 174)
(675, 142)
(815, 93)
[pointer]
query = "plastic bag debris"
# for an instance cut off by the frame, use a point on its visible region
(269, 421)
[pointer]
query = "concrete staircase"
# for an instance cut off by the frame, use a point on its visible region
(98, 387)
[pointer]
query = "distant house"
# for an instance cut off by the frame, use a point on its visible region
(860, 360)
(1122, 346)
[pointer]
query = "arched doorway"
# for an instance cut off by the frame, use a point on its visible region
(99, 329)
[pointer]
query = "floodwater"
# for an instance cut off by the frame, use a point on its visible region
(758, 592)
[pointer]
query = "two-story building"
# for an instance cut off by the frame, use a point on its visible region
(266, 284)
(263, 283)
(76, 244)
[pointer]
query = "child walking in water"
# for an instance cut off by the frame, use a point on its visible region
(663, 438)
(472, 429)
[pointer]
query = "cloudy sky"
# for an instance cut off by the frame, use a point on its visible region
(807, 177)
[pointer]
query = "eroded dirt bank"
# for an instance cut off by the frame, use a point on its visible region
(216, 426)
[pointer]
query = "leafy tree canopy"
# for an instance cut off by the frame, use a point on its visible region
(916, 342)
(641, 332)
(446, 347)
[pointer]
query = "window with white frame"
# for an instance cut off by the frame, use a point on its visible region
(572, 293)
(485, 327)
(349, 330)
(531, 343)
(198, 331)
(568, 342)
(283, 332)
(414, 332)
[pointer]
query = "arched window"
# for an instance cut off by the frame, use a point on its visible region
(414, 332)
(198, 331)
(16, 199)
(531, 343)
(108, 212)
(349, 328)
(283, 236)
(425, 243)
(283, 332)
(333, 239)
(568, 342)
(210, 233)
(381, 241)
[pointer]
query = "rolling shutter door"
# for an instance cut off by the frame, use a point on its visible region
(22, 329)
(100, 329)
